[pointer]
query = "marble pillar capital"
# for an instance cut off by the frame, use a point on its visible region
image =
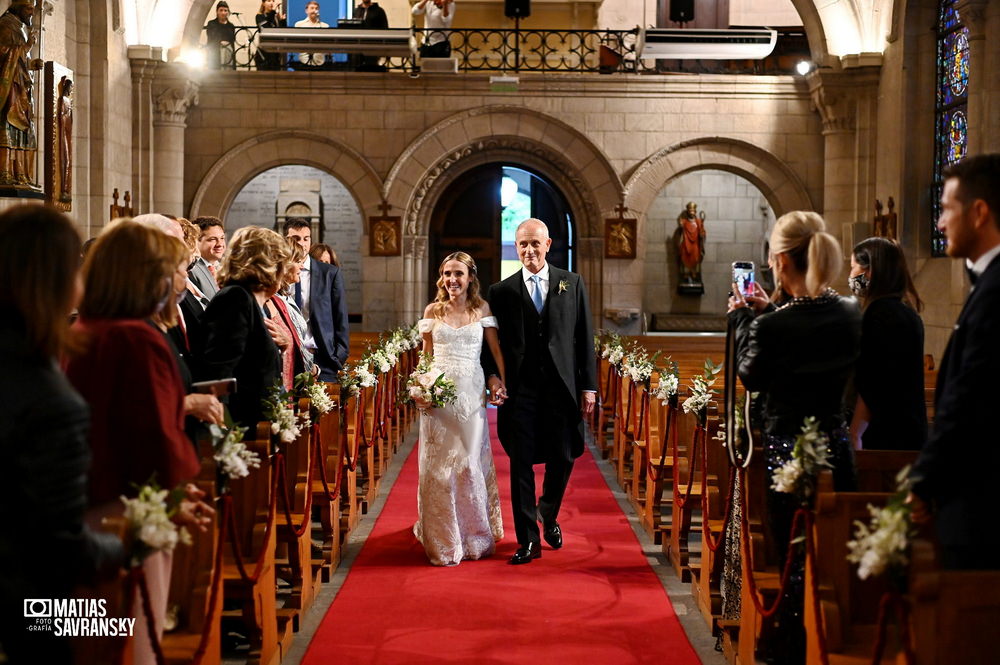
(171, 104)
(835, 95)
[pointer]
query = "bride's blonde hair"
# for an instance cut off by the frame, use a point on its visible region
(473, 301)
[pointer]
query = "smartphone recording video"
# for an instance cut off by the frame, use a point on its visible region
(743, 277)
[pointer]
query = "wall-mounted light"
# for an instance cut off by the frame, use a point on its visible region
(192, 57)
(803, 67)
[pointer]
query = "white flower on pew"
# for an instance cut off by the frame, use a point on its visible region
(810, 455)
(307, 386)
(366, 379)
(884, 543)
(148, 516)
(232, 455)
(701, 388)
(381, 361)
(669, 382)
(637, 364)
(278, 409)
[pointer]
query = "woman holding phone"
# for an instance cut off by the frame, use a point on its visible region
(799, 356)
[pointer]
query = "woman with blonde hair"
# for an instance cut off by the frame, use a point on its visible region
(799, 356)
(458, 505)
(239, 337)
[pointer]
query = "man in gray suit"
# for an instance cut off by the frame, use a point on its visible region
(211, 247)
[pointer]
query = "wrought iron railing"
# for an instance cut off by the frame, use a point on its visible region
(514, 50)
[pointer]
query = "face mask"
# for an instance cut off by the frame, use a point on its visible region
(858, 284)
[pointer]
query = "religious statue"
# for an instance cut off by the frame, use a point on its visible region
(690, 249)
(64, 126)
(18, 143)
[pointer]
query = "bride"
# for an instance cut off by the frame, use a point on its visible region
(458, 506)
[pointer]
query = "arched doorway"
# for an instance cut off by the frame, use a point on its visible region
(479, 212)
(298, 190)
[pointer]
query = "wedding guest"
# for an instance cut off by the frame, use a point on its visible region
(270, 15)
(129, 377)
(890, 413)
(45, 547)
(324, 254)
(289, 342)
(238, 335)
(211, 247)
(221, 38)
(799, 356)
(293, 277)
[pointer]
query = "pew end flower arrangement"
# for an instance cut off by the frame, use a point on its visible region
(320, 402)
(883, 545)
(701, 389)
(669, 383)
(232, 457)
(612, 349)
(810, 455)
(428, 387)
(149, 516)
(637, 364)
(285, 425)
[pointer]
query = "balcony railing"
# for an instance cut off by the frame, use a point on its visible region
(513, 50)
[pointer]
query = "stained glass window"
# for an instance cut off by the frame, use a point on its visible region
(951, 138)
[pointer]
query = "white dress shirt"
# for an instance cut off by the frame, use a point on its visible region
(305, 279)
(434, 19)
(529, 283)
(311, 58)
(983, 262)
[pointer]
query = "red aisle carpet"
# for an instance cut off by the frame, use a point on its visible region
(595, 601)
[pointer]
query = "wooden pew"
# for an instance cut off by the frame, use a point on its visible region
(848, 606)
(686, 495)
(954, 613)
(255, 599)
(194, 580)
(329, 448)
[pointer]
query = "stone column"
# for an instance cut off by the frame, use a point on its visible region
(144, 61)
(982, 124)
(171, 102)
(847, 103)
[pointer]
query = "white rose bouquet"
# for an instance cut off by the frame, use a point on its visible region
(428, 387)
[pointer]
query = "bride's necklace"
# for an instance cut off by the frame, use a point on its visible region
(827, 296)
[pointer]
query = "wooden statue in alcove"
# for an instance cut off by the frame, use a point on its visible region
(690, 250)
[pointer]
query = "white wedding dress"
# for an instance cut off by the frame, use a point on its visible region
(458, 505)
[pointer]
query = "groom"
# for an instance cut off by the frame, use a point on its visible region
(551, 380)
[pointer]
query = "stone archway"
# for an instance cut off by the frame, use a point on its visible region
(511, 134)
(239, 165)
(775, 179)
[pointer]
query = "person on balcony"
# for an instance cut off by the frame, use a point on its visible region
(221, 35)
(438, 16)
(312, 21)
(270, 15)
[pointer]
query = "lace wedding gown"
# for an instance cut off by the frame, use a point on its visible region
(458, 505)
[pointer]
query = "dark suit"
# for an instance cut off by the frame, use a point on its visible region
(328, 318)
(236, 343)
(373, 19)
(956, 469)
(549, 360)
(203, 278)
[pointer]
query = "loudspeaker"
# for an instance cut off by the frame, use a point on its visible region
(681, 11)
(517, 8)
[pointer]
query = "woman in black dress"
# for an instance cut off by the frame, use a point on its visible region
(45, 547)
(890, 413)
(239, 338)
(799, 356)
(269, 15)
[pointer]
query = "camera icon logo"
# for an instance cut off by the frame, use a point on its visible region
(37, 608)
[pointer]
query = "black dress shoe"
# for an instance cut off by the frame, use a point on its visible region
(526, 553)
(553, 536)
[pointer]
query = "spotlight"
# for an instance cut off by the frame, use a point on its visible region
(192, 57)
(803, 67)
